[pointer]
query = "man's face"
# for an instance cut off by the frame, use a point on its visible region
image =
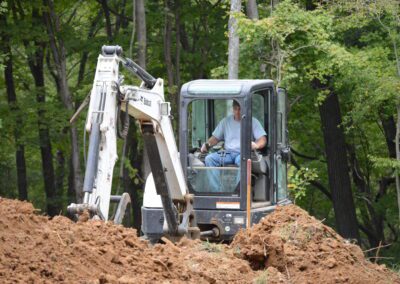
(236, 112)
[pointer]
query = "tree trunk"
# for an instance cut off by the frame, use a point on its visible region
(397, 137)
(389, 128)
(338, 170)
(141, 32)
(85, 54)
(12, 102)
(177, 49)
(397, 141)
(233, 48)
(177, 74)
(132, 40)
(70, 189)
(108, 20)
(310, 5)
(52, 23)
(132, 148)
(372, 220)
(119, 20)
(35, 63)
(168, 44)
(130, 186)
(76, 165)
(139, 26)
(59, 178)
(251, 9)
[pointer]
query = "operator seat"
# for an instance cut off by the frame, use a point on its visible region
(258, 163)
(259, 169)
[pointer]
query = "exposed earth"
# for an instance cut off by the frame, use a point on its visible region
(288, 246)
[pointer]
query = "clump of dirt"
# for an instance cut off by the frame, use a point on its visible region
(35, 249)
(291, 246)
(288, 246)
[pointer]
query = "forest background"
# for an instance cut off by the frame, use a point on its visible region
(338, 61)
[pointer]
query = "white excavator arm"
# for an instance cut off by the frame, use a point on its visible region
(101, 124)
(153, 114)
(147, 105)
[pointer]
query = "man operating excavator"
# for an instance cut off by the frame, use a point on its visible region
(228, 130)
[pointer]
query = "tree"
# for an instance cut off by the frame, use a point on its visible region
(134, 181)
(233, 49)
(387, 13)
(338, 169)
(36, 64)
(251, 9)
(295, 43)
(14, 108)
(53, 26)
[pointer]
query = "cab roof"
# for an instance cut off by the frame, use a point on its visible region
(223, 88)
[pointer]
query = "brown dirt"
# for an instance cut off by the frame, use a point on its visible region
(288, 246)
(34, 249)
(295, 247)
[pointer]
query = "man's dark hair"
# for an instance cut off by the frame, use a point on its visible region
(235, 104)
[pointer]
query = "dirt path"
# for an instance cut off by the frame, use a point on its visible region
(289, 246)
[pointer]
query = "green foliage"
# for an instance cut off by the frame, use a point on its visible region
(384, 163)
(299, 180)
(276, 43)
(350, 46)
(201, 48)
(3, 7)
(220, 72)
(133, 173)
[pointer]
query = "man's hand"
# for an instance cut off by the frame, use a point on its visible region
(259, 144)
(204, 148)
(254, 146)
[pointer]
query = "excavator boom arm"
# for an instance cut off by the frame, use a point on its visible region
(147, 105)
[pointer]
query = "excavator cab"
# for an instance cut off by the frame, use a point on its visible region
(220, 202)
(220, 193)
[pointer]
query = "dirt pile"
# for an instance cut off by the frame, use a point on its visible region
(34, 249)
(291, 246)
(288, 246)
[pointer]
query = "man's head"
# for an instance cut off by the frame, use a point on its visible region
(236, 110)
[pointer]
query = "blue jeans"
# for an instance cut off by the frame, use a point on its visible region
(219, 159)
(216, 182)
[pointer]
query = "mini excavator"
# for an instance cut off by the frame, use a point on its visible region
(182, 196)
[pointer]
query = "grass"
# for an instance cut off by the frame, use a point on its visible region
(212, 247)
(295, 233)
(396, 268)
(262, 279)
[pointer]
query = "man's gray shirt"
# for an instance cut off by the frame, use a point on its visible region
(228, 129)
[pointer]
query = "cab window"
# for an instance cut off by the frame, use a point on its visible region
(203, 118)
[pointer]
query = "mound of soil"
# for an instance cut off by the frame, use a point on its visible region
(291, 246)
(288, 246)
(34, 249)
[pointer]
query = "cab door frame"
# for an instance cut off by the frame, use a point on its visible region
(282, 153)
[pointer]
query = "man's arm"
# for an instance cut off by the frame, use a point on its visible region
(259, 144)
(211, 142)
(259, 134)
